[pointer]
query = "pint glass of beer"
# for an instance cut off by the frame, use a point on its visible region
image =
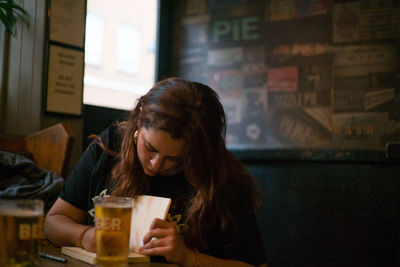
(113, 223)
(21, 227)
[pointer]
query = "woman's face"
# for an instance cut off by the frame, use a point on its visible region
(158, 152)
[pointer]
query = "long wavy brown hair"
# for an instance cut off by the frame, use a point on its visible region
(191, 111)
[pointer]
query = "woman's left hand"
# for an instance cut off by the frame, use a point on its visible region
(167, 242)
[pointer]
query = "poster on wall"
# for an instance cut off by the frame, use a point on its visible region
(64, 80)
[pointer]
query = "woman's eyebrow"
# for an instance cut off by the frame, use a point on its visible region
(150, 146)
(175, 157)
(155, 150)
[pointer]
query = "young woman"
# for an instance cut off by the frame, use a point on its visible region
(172, 145)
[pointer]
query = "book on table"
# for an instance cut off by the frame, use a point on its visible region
(145, 210)
(90, 257)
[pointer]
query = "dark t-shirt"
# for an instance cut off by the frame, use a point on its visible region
(90, 178)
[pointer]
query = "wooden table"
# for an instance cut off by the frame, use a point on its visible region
(76, 263)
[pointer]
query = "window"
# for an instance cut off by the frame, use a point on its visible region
(128, 48)
(94, 38)
(120, 52)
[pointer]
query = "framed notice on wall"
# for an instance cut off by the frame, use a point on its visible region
(67, 22)
(65, 80)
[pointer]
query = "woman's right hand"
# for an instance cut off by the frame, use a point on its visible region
(89, 240)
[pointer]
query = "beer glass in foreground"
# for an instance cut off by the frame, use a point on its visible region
(21, 227)
(113, 223)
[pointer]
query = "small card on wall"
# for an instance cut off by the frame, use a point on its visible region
(65, 80)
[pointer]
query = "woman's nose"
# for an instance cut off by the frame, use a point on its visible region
(156, 162)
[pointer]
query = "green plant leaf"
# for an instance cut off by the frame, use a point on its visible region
(10, 13)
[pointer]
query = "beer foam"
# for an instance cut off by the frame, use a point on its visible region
(115, 205)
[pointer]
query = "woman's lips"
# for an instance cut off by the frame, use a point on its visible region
(149, 172)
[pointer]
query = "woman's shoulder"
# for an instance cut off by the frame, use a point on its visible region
(112, 137)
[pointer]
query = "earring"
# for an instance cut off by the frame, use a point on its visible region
(135, 136)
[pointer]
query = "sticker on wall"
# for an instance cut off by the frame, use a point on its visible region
(235, 31)
(346, 98)
(345, 22)
(379, 21)
(365, 54)
(254, 59)
(253, 131)
(282, 10)
(376, 98)
(255, 103)
(193, 68)
(255, 80)
(294, 54)
(315, 78)
(227, 83)
(233, 109)
(314, 7)
(295, 128)
(305, 50)
(359, 130)
(289, 9)
(226, 58)
(282, 79)
(364, 78)
(323, 115)
(253, 125)
(297, 100)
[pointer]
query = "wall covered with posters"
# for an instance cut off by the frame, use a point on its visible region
(297, 73)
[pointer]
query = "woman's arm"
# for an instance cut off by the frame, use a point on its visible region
(64, 224)
(163, 239)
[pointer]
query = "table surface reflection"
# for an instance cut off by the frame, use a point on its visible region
(76, 263)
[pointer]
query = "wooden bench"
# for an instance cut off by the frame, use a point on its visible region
(50, 148)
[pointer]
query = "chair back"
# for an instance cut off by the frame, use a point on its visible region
(51, 148)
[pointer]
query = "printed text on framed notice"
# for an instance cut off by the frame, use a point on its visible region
(64, 80)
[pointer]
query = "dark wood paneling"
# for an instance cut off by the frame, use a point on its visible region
(24, 92)
(329, 214)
